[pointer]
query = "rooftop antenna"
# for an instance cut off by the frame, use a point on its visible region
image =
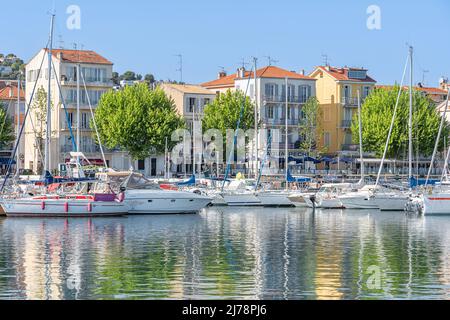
(243, 63)
(271, 60)
(326, 60)
(424, 72)
(180, 67)
(61, 42)
(222, 69)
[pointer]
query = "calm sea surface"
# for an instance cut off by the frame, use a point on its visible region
(228, 253)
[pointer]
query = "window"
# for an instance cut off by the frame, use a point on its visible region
(304, 93)
(271, 90)
(94, 74)
(191, 105)
(291, 92)
(84, 121)
(70, 119)
(141, 165)
(270, 112)
(366, 92)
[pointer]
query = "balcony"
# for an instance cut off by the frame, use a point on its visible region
(89, 82)
(350, 147)
(346, 124)
(282, 99)
(352, 102)
(87, 149)
(280, 122)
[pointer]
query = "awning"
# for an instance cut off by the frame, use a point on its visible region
(7, 161)
(94, 162)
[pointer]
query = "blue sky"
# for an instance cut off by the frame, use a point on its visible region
(144, 36)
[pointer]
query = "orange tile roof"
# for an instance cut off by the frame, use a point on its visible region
(341, 74)
(81, 56)
(8, 90)
(429, 90)
(266, 72)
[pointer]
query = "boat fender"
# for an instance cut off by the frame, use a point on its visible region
(66, 207)
(43, 205)
(121, 197)
(89, 207)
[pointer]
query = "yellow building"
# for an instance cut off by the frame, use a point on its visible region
(337, 92)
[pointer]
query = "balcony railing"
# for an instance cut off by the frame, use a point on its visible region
(88, 80)
(352, 101)
(350, 147)
(346, 124)
(84, 149)
(282, 99)
(280, 122)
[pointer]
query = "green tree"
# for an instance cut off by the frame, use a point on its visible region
(137, 120)
(115, 78)
(128, 76)
(6, 128)
(149, 78)
(377, 113)
(309, 126)
(224, 112)
(39, 113)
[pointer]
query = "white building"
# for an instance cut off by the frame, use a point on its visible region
(270, 96)
(97, 73)
(190, 99)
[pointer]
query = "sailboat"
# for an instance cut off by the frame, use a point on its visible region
(396, 200)
(97, 203)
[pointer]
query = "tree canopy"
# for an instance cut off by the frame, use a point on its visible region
(6, 128)
(137, 120)
(309, 130)
(224, 112)
(377, 112)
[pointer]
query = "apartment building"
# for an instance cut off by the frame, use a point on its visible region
(190, 100)
(8, 100)
(97, 74)
(337, 92)
(269, 92)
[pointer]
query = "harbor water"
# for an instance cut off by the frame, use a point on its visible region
(228, 253)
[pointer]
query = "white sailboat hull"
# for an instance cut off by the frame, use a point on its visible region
(323, 203)
(358, 202)
(242, 200)
(63, 208)
(274, 199)
(436, 204)
(298, 200)
(390, 202)
(164, 202)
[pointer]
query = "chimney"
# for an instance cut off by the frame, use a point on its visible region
(60, 55)
(443, 83)
(302, 72)
(241, 72)
(222, 74)
(327, 67)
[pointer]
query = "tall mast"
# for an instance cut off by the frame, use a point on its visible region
(78, 109)
(47, 160)
(361, 154)
(411, 114)
(18, 121)
(255, 61)
(194, 164)
(286, 146)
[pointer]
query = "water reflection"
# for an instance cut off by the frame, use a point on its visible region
(228, 254)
